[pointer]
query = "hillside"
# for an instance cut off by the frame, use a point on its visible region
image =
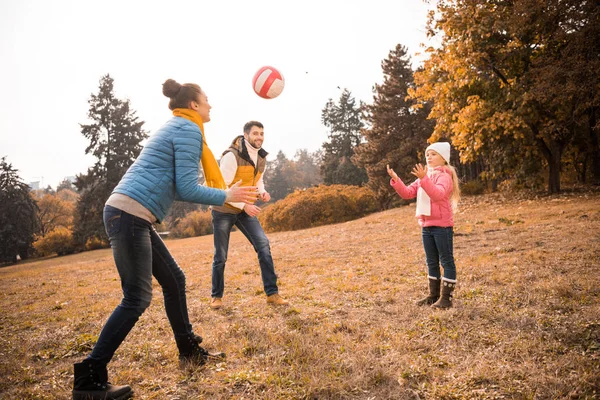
(525, 325)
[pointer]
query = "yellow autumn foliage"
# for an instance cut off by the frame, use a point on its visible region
(195, 223)
(58, 241)
(320, 205)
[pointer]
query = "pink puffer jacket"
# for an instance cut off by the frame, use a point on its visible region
(439, 188)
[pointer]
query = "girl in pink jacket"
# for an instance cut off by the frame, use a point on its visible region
(437, 194)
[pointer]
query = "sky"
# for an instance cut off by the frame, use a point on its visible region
(54, 53)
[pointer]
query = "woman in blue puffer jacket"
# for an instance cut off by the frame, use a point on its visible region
(166, 170)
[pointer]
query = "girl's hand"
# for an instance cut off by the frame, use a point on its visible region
(239, 194)
(392, 174)
(419, 171)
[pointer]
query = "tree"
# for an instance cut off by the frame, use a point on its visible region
(566, 82)
(307, 166)
(283, 175)
(499, 76)
(398, 129)
(18, 221)
(278, 177)
(344, 122)
(68, 195)
(115, 134)
(65, 184)
(53, 213)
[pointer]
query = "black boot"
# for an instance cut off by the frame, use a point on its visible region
(190, 350)
(445, 300)
(434, 293)
(91, 383)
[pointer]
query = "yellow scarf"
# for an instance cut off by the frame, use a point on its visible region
(212, 172)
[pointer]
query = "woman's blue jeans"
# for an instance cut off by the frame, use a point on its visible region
(139, 254)
(251, 228)
(437, 242)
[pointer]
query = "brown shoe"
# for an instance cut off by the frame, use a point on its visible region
(277, 300)
(216, 303)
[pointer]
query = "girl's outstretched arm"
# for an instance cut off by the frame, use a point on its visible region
(406, 192)
(392, 174)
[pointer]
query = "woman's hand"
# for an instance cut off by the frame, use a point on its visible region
(419, 171)
(392, 174)
(244, 194)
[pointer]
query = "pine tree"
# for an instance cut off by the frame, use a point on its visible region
(65, 184)
(115, 134)
(278, 177)
(283, 175)
(307, 169)
(344, 122)
(398, 132)
(18, 215)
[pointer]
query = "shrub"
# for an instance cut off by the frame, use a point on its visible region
(59, 241)
(95, 243)
(473, 187)
(320, 205)
(195, 223)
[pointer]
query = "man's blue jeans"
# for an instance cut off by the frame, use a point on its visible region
(251, 228)
(437, 242)
(139, 254)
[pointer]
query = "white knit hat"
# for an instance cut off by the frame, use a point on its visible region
(442, 148)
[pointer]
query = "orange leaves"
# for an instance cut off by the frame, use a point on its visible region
(195, 223)
(55, 212)
(318, 206)
(58, 241)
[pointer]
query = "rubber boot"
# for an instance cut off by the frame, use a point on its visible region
(434, 293)
(445, 300)
(91, 383)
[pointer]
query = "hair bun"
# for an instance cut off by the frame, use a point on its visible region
(171, 88)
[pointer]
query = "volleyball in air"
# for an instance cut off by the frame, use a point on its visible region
(268, 82)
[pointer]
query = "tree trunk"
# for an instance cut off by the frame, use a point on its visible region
(553, 154)
(594, 150)
(554, 172)
(582, 172)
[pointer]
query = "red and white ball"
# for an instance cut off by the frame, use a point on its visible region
(268, 83)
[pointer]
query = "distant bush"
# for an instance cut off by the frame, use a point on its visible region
(196, 223)
(320, 205)
(59, 241)
(95, 243)
(473, 187)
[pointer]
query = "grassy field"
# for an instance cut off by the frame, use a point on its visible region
(525, 325)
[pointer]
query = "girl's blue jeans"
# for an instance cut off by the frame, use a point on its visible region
(437, 242)
(140, 254)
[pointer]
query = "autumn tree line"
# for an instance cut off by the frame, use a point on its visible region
(512, 85)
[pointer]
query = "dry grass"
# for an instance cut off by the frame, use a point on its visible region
(526, 321)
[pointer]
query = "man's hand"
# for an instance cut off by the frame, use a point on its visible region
(265, 197)
(392, 174)
(419, 171)
(251, 210)
(241, 194)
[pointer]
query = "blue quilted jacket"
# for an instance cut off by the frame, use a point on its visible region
(167, 170)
